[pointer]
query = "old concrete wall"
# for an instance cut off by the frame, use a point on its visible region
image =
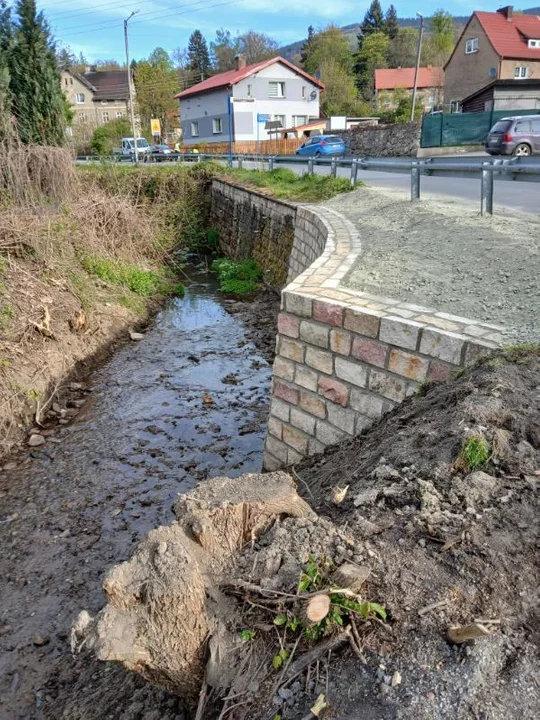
(400, 139)
(251, 224)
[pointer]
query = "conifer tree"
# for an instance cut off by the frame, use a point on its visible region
(373, 22)
(38, 103)
(307, 46)
(199, 57)
(391, 26)
(5, 48)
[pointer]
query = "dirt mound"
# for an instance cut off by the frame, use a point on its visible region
(425, 539)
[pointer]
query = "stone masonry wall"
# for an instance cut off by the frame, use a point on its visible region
(251, 224)
(397, 140)
(343, 357)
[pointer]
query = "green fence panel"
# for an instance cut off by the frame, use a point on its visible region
(462, 128)
(431, 131)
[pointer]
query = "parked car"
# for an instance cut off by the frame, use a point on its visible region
(519, 135)
(160, 152)
(322, 145)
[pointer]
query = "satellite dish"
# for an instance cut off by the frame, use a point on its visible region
(313, 95)
(492, 72)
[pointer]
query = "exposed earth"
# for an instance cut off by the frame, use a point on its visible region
(443, 255)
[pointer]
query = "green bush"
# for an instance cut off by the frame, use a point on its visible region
(107, 137)
(237, 278)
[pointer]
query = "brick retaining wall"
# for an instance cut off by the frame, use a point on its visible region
(343, 357)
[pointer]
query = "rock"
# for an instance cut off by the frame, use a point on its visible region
(39, 640)
(77, 403)
(136, 336)
(396, 679)
(36, 440)
(9, 466)
(56, 407)
(75, 386)
(476, 487)
(285, 693)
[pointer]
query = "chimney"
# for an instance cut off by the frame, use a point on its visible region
(239, 61)
(507, 11)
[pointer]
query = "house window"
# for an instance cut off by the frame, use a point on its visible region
(105, 116)
(216, 126)
(303, 91)
(71, 81)
(471, 46)
(79, 98)
(195, 129)
(520, 72)
(65, 81)
(281, 119)
(299, 120)
(276, 89)
(82, 116)
(119, 114)
(249, 90)
(454, 106)
(534, 44)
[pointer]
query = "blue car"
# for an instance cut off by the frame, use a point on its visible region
(320, 145)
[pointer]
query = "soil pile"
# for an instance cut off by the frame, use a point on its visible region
(425, 537)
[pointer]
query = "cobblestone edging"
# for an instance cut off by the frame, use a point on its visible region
(344, 357)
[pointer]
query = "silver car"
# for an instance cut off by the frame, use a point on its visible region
(519, 135)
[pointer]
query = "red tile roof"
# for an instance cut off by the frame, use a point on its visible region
(509, 37)
(231, 77)
(404, 78)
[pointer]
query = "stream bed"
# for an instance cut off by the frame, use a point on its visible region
(187, 402)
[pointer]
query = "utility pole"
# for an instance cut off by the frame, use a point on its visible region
(418, 53)
(130, 85)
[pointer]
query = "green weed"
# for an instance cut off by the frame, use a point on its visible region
(7, 313)
(3, 265)
(139, 281)
(287, 185)
(32, 394)
(475, 452)
(246, 635)
(237, 278)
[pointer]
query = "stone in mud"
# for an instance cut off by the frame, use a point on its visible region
(136, 336)
(165, 603)
(36, 440)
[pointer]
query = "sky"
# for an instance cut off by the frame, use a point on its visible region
(95, 27)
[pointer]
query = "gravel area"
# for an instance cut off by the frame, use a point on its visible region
(443, 255)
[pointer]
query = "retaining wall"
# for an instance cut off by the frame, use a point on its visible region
(343, 357)
(395, 140)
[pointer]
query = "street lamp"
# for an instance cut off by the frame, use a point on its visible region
(418, 52)
(130, 86)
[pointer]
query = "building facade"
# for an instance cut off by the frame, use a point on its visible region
(390, 84)
(504, 95)
(503, 45)
(240, 103)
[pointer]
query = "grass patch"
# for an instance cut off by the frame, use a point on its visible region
(287, 185)
(475, 453)
(7, 313)
(237, 278)
(138, 280)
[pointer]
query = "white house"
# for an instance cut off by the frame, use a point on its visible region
(247, 98)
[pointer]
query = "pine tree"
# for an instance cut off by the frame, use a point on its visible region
(391, 26)
(199, 57)
(5, 49)
(306, 47)
(373, 22)
(37, 98)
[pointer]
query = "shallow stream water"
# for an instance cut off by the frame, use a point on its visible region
(187, 402)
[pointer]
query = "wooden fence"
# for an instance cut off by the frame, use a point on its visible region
(251, 147)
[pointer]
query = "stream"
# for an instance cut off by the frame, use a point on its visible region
(187, 402)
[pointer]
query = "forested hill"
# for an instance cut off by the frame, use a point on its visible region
(290, 51)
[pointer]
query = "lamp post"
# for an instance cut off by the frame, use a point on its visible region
(418, 53)
(130, 86)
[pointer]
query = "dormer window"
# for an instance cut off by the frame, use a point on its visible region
(535, 44)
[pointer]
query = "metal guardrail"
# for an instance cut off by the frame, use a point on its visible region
(520, 169)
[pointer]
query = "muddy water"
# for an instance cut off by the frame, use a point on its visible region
(186, 403)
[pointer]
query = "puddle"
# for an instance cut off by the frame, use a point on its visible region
(186, 403)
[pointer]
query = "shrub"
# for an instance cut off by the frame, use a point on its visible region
(237, 278)
(107, 137)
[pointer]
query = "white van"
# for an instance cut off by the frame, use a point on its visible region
(128, 145)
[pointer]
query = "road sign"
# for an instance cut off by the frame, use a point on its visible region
(155, 126)
(263, 118)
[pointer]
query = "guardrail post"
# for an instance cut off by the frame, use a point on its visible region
(270, 164)
(354, 172)
(310, 166)
(415, 180)
(240, 161)
(486, 201)
(333, 167)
